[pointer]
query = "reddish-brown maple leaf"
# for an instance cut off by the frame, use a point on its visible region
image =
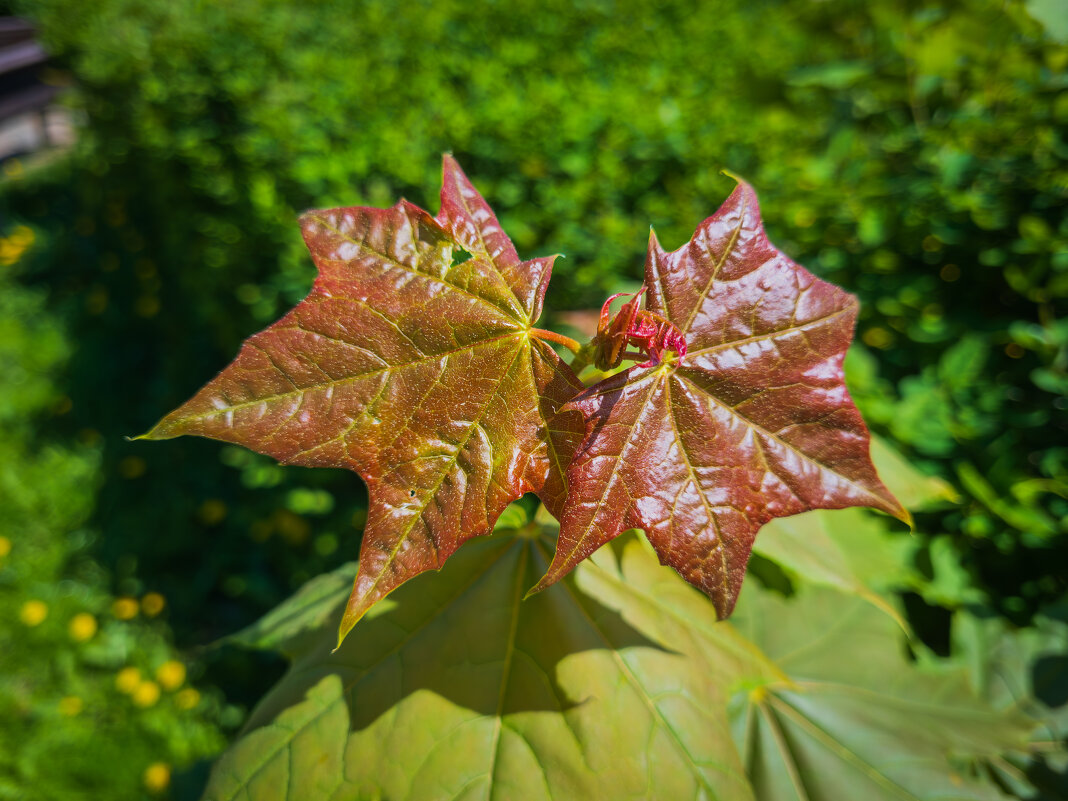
(752, 422)
(414, 367)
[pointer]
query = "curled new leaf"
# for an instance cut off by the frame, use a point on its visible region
(750, 420)
(640, 328)
(413, 366)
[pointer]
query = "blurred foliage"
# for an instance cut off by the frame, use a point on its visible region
(89, 681)
(913, 153)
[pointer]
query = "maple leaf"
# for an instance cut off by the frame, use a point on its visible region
(748, 421)
(413, 366)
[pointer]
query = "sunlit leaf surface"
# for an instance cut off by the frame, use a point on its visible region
(617, 682)
(611, 685)
(857, 719)
(412, 362)
(753, 422)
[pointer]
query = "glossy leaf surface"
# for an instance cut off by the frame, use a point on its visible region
(615, 683)
(853, 550)
(858, 719)
(611, 685)
(753, 423)
(413, 363)
(1022, 669)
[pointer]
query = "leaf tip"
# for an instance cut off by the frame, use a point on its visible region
(905, 516)
(159, 431)
(654, 243)
(734, 175)
(893, 507)
(450, 167)
(348, 622)
(544, 583)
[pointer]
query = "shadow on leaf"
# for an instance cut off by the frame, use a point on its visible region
(463, 635)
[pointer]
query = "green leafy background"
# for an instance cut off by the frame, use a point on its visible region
(913, 153)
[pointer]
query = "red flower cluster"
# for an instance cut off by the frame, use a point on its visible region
(643, 329)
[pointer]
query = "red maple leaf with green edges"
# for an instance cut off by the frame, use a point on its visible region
(750, 421)
(415, 367)
(414, 362)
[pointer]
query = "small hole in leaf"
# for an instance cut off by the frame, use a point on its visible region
(411, 493)
(459, 256)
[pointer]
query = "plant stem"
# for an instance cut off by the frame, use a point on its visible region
(559, 339)
(583, 358)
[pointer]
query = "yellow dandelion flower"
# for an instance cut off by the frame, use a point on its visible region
(128, 680)
(878, 337)
(146, 694)
(5, 547)
(33, 613)
(124, 608)
(23, 236)
(157, 777)
(187, 699)
(132, 467)
(82, 627)
(152, 604)
(212, 511)
(171, 675)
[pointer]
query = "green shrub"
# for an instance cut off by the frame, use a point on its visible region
(94, 698)
(915, 157)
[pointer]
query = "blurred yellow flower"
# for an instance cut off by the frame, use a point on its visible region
(5, 547)
(82, 627)
(124, 608)
(157, 777)
(878, 337)
(128, 679)
(70, 706)
(146, 694)
(212, 511)
(13, 246)
(33, 613)
(152, 604)
(132, 467)
(171, 675)
(187, 699)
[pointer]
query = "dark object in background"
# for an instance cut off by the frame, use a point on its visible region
(25, 98)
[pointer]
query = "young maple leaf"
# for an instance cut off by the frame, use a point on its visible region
(419, 371)
(750, 420)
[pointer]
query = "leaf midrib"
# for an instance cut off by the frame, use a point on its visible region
(636, 685)
(489, 304)
(685, 328)
(506, 670)
(347, 379)
(348, 687)
(731, 643)
(749, 423)
(654, 381)
(725, 573)
(446, 468)
(839, 750)
(485, 250)
(781, 332)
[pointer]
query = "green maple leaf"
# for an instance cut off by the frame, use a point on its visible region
(615, 683)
